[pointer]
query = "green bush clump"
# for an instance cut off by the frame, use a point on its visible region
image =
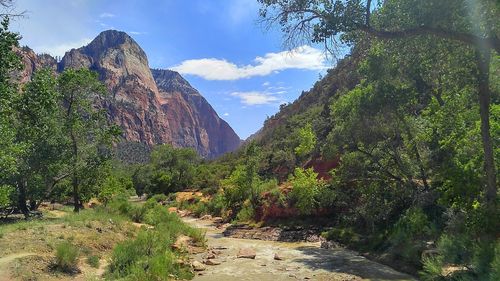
(246, 213)
(408, 232)
(455, 249)
(495, 264)
(432, 268)
(66, 257)
(345, 236)
(161, 218)
(93, 261)
(217, 205)
(200, 208)
(150, 256)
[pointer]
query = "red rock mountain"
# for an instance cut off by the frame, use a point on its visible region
(152, 106)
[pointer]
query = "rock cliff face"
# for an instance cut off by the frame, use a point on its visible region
(151, 106)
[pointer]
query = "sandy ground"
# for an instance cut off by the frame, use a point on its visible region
(301, 261)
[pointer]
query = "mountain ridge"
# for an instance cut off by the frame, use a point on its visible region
(152, 106)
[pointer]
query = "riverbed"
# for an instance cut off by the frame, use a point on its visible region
(299, 260)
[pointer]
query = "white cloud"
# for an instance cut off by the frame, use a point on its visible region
(136, 32)
(304, 57)
(61, 49)
(225, 114)
(107, 15)
(256, 98)
(266, 84)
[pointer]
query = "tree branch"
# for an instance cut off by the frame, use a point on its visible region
(491, 43)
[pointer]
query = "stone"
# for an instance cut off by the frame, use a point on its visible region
(212, 262)
(246, 253)
(206, 217)
(182, 242)
(211, 256)
(218, 220)
(278, 257)
(198, 266)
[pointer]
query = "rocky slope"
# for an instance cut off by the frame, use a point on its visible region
(151, 106)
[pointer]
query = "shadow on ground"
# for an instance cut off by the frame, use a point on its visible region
(344, 261)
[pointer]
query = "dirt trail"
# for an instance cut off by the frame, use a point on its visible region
(301, 261)
(7, 260)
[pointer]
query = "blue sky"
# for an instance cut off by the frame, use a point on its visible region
(218, 45)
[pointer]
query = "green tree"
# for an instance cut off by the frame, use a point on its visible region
(307, 140)
(305, 189)
(9, 62)
(244, 183)
(38, 130)
(173, 169)
(474, 24)
(87, 131)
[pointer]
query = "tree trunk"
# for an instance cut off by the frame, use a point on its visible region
(75, 183)
(21, 199)
(483, 58)
(76, 195)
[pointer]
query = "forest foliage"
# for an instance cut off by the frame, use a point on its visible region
(410, 119)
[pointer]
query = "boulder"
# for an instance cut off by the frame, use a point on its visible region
(206, 217)
(218, 220)
(212, 262)
(198, 266)
(182, 242)
(246, 253)
(278, 257)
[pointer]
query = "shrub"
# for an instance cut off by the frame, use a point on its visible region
(345, 236)
(411, 228)
(149, 256)
(495, 264)
(137, 213)
(456, 249)
(66, 257)
(432, 268)
(93, 261)
(305, 189)
(200, 208)
(246, 213)
(217, 204)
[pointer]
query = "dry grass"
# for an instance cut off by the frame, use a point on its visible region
(93, 232)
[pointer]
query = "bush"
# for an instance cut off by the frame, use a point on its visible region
(432, 269)
(495, 264)
(93, 261)
(346, 236)
(408, 232)
(305, 189)
(200, 209)
(149, 256)
(456, 249)
(246, 214)
(216, 205)
(137, 213)
(67, 257)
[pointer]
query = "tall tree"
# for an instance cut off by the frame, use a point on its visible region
(9, 62)
(472, 23)
(37, 122)
(85, 126)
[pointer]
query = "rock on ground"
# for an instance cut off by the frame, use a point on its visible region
(198, 266)
(246, 253)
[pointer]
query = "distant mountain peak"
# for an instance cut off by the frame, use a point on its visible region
(152, 106)
(111, 38)
(171, 81)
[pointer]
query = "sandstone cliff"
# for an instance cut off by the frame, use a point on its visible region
(151, 106)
